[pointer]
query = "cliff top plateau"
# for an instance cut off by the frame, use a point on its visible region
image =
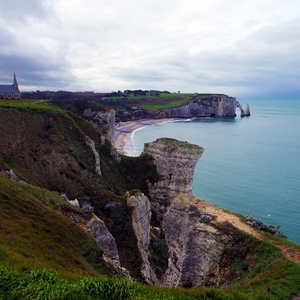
(140, 104)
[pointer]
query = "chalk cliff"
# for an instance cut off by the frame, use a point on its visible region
(247, 111)
(97, 228)
(175, 162)
(103, 120)
(211, 105)
(195, 245)
(141, 215)
(91, 145)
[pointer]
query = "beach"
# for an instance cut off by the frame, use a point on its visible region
(124, 131)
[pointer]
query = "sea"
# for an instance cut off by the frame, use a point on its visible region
(250, 165)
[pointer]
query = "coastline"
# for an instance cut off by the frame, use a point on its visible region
(123, 133)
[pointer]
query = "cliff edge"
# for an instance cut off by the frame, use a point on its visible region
(175, 162)
(210, 105)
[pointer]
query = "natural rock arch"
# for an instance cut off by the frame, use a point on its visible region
(240, 107)
(244, 112)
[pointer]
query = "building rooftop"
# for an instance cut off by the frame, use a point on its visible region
(8, 88)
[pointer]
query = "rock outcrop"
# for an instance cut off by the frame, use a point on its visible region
(247, 111)
(91, 145)
(207, 106)
(97, 228)
(103, 120)
(195, 246)
(141, 216)
(175, 162)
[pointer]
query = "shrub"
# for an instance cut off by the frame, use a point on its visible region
(257, 223)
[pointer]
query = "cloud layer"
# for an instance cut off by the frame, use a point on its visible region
(244, 49)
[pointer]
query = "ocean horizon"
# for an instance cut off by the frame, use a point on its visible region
(250, 165)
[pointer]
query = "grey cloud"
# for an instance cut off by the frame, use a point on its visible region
(163, 45)
(265, 62)
(36, 72)
(20, 10)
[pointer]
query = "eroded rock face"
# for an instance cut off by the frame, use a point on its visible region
(141, 216)
(97, 228)
(247, 111)
(210, 106)
(195, 247)
(121, 271)
(103, 120)
(91, 145)
(175, 162)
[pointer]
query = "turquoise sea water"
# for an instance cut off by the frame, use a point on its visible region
(250, 165)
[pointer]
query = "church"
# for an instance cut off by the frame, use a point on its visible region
(10, 91)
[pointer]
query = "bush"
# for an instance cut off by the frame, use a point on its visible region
(257, 223)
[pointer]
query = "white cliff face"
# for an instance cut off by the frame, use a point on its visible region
(103, 120)
(247, 111)
(226, 107)
(91, 145)
(175, 162)
(195, 248)
(141, 216)
(97, 228)
(217, 105)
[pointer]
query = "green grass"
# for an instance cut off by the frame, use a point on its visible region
(279, 280)
(34, 236)
(41, 284)
(151, 102)
(156, 106)
(39, 106)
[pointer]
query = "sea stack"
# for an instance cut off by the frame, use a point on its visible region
(247, 111)
(175, 162)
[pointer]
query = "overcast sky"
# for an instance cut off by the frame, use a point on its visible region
(247, 48)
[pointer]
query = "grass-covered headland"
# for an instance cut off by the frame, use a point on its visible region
(45, 255)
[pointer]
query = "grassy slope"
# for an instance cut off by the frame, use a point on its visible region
(34, 234)
(151, 102)
(45, 146)
(165, 101)
(262, 274)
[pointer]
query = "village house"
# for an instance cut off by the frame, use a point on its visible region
(10, 91)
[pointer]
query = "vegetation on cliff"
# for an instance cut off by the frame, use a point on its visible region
(43, 254)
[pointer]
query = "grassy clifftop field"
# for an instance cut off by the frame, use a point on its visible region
(44, 255)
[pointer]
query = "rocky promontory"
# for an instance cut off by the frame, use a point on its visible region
(195, 245)
(175, 162)
(211, 105)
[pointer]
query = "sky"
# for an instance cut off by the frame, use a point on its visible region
(248, 48)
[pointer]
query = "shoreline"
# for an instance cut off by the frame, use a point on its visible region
(123, 133)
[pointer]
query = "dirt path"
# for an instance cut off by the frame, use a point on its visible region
(223, 215)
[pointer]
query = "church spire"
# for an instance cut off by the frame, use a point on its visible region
(15, 84)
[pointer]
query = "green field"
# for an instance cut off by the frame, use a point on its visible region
(151, 107)
(153, 102)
